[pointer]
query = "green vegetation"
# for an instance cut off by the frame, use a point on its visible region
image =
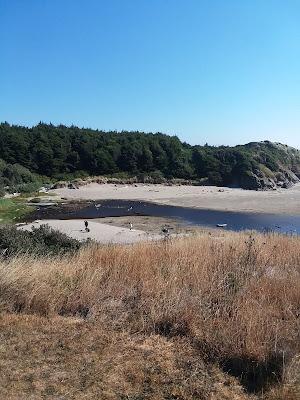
(15, 175)
(60, 152)
(12, 210)
(40, 241)
(17, 178)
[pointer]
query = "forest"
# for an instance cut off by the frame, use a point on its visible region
(61, 152)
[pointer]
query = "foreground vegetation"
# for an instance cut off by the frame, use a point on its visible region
(39, 241)
(196, 318)
(61, 152)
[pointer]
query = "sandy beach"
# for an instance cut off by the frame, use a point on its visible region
(281, 201)
(153, 225)
(115, 230)
(100, 232)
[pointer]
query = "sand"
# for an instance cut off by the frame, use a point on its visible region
(103, 233)
(153, 225)
(281, 201)
(116, 229)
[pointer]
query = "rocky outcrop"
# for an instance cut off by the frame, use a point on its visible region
(252, 181)
(259, 181)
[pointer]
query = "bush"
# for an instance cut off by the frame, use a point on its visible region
(215, 178)
(18, 178)
(29, 187)
(157, 177)
(41, 241)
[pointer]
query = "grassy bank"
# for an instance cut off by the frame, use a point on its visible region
(15, 209)
(12, 210)
(197, 318)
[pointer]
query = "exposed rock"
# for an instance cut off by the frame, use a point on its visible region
(250, 181)
(287, 184)
(259, 181)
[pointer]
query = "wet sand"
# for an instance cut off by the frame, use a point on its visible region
(153, 225)
(281, 201)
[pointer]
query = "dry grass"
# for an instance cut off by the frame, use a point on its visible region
(72, 359)
(155, 321)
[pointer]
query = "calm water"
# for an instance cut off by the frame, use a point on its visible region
(234, 220)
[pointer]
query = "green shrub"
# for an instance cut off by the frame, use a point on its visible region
(215, 178)
(41, 241)
(157, 177)
(29, 187)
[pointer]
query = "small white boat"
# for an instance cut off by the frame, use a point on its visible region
(221, 225)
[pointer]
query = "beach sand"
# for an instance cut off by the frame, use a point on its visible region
(281, 201)
(100, 232)
(153, 225)
(116, 229)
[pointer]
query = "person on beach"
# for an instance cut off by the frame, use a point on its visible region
(86, 224)
(166, 233)
(130, 225)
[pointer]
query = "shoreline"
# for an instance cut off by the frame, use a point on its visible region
(116, 229)
(99, 232)
(279, 202)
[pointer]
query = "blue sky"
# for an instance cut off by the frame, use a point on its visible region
(216, 71)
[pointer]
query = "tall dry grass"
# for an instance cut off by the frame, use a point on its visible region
(233, 299)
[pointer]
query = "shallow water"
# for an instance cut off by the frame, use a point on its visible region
(210, 218)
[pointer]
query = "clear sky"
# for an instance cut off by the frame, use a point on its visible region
(216, 71)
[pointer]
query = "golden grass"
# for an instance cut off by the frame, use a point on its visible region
(71, 359)
(155, 321)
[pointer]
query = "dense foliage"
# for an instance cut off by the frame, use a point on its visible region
(60, 151)
(41, 241)
(17, 178)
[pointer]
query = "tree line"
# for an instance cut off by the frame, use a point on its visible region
(60, 151)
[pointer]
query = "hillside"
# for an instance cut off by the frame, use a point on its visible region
(61, 152)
